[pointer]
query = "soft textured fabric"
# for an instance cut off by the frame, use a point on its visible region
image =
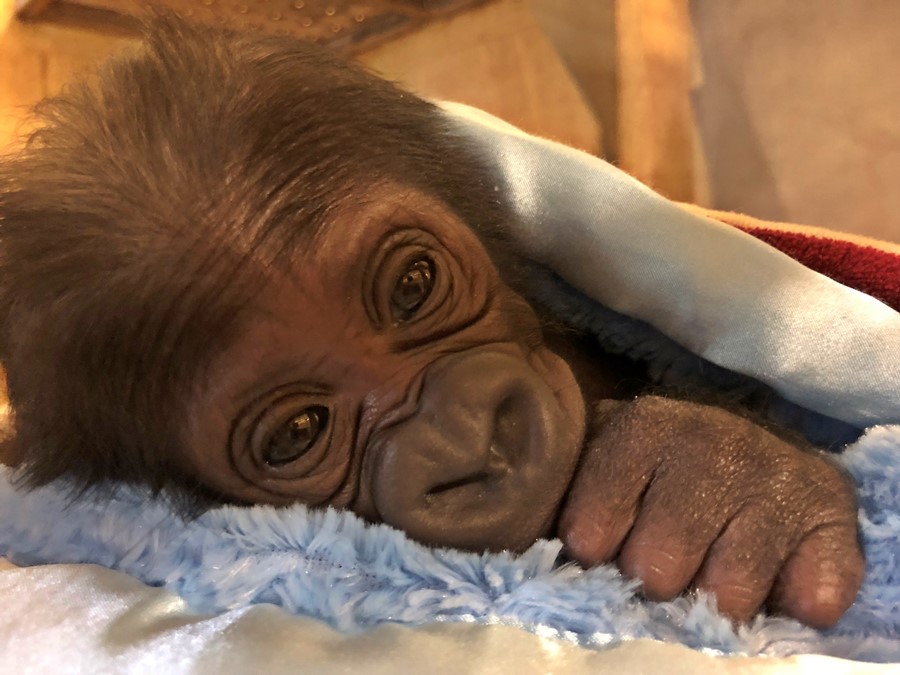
(875, 272)
(868, 265)
(711, 288)
(692, 297)
(329, 565)
(84, 619)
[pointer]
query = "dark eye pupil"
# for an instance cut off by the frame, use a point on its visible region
(296, 436)
(412, 289)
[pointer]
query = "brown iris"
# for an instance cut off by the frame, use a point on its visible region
(412, 289)
(296, 436)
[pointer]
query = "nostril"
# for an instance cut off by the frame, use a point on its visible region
(505, 438)
(509, 434)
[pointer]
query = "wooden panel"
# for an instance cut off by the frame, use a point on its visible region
(583, 34)
(37, 59)
(348, 25)
(657, 136)
(497, 58)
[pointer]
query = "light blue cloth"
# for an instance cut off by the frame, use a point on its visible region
(713, 289)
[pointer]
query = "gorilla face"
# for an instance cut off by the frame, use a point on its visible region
(390, 370)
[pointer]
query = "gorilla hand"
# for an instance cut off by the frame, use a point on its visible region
(689, 495)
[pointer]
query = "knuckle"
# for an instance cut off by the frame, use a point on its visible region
(658, 410)
(827, 493)
(821, 607)
(664, 568)
(640, 557)
(592, 535)
(673, 410)
(739, 600)
(843, 486)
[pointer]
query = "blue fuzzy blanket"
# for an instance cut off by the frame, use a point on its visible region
(692, 298)
(332, 566)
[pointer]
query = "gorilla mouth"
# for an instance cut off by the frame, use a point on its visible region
(438, 490)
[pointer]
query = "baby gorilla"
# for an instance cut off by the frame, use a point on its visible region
(235, 269)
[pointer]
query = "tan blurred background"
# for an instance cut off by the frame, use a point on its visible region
(781, 109)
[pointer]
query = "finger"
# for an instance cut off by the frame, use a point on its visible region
(593, 525)
(605, 495)
(743, 563)
(667, 545)
(822, 576)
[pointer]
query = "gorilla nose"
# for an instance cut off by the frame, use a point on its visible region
(495, 443)
(460, 470)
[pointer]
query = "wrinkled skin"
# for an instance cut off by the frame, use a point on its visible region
(463, 427)
(686, 495)
(438, 424)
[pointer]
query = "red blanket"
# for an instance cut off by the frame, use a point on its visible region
(868, 265)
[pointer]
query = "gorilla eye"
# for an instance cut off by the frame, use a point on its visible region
(296, 436)
(412, 289)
